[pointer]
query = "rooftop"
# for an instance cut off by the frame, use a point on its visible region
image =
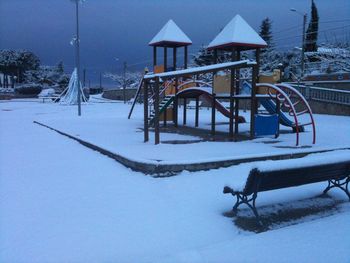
(237, 33)
(170, 35)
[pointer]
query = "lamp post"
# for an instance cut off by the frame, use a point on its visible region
(77, 52)
(304, 15)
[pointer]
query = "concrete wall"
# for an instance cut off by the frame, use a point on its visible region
(329, 108)
(117, 94)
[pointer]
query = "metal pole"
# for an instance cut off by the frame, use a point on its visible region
(303, 47)
(84, 77)
(78, 55)
(100, 80)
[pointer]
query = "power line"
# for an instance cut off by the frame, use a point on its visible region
(319, 31)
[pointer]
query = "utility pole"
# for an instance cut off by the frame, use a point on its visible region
(304, 15)
(84, 77)
(124, 83)
(303, 47)
(100, 80)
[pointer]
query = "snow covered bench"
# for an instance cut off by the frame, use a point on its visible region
(50, 98)
(333, 167)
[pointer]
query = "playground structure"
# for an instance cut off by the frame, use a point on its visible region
(164, 88)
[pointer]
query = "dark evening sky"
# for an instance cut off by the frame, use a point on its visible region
(122, 29)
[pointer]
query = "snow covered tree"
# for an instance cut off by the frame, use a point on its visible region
(17, 62)
(312, 30)
(270, 59)
(266, 34)
(203, 57)
(132, 79)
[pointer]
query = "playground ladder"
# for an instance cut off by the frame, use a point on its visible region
(163, 105)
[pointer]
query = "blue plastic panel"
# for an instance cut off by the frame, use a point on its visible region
(266, 125)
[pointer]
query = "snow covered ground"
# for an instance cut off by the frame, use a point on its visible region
(107, 126)
(62, 202)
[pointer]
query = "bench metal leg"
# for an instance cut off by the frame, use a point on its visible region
(248, 200)
(342, 184)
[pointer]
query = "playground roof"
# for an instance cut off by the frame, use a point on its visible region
(170, 36)
(237, 33)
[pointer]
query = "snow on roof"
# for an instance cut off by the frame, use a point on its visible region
(170, 33)
(237, 33)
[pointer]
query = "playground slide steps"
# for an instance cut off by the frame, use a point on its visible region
(163, 105)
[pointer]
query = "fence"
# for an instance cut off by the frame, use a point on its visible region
(325, 95)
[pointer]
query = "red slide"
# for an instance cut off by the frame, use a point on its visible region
(221, 108)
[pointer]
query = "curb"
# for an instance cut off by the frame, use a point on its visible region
(166, 170)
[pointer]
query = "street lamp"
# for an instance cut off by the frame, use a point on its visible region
(304, 15)
(76, 40)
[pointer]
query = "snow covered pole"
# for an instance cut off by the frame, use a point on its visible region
(77, 53)
(304, 15)
(303, 47)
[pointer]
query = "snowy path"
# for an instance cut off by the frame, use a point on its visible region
(61, 202)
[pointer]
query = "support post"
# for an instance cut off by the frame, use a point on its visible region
(156, 112)
(237, 72)
(197, 112)
(257, 58)
(278, 111)
(165, 59)
(164, 117)
(253, 102)
(215, 56)
(174, 58)
(186, 57)
(176, 103)
(154, 56)
(213, 115)
(145, 111)
(232, 90)
(185, 111)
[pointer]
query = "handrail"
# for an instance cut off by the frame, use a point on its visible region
(286, 100)
(301, 98)
(192, 81)
(166, 84)
(135, 98)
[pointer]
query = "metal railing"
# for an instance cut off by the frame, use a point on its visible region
(324, 94)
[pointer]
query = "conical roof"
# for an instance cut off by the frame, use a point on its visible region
(170, 35)
(237, 33)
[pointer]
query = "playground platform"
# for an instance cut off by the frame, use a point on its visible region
(188, 149)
